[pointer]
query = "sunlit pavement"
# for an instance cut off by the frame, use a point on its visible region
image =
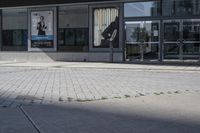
(169, 113)
(62, 82)
(98, 98)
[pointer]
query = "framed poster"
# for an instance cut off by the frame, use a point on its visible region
(42, 35)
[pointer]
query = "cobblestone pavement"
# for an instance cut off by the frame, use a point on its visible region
(25, 85)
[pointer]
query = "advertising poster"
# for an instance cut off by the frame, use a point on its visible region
(42, 29)
(106, 21)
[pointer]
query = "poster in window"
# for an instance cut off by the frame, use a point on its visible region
(42, 29)
(106, 21)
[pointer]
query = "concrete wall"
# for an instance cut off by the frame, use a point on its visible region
(59, 56)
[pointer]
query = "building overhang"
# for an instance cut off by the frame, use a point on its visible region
(15, 3)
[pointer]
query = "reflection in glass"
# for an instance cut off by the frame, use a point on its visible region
(146, 31)
(191, 30)
(142, 9)
(14, 29)
(180, 7)
(182, 39)
(191, 48)
(73, 28)
(171, 31)
(143, 34)
(171, 48)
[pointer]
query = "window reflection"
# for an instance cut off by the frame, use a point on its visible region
(141, 9)
(143, 34)
(171, 31)
(191, 31)
(73, 28)
(146, 31)
(14, 29)
(181, 7)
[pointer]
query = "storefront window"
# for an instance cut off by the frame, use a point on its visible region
(142, 9)
(14, 29)
(73, 28)
(106, 21)
(180, 7)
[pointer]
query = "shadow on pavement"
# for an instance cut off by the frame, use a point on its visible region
(59, 119)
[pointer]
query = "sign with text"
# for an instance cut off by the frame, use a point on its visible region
(42, 34)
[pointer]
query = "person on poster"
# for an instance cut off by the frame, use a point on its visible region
(41, 27)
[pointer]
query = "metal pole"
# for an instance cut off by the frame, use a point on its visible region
(111, 44)
(199, 52)
(141, 52)
(111, 51)
(181, 50)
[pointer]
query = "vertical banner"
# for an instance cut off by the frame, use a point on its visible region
(42, 33)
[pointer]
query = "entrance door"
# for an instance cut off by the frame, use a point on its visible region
(142, 40)
(181, 39)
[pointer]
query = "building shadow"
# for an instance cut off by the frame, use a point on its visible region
(54, 118)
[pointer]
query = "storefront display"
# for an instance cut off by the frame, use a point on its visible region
(42, 35)
(106, 20)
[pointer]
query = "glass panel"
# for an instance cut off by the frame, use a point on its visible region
(151, 51)
(191, 30)
(147, 31)
(73, 28)
(191, 48)
(14, 29)
(180, 7)
(106, 21)
(171, 50)
(191, 37)
(142, 9)
(142, 39)
(171, 31)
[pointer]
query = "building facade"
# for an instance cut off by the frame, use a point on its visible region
(81, 30)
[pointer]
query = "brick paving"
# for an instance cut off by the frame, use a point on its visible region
(32, 85)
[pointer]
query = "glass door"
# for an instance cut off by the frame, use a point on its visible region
(181, 39)
(191, 38)
(172, 40)
(142, 40)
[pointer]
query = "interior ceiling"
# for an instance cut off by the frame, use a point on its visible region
(9, 3)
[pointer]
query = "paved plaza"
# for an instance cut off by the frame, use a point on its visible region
(74, 97)
(169, 113)
(53, 83)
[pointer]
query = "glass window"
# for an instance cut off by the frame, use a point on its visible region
(14, 29)
(142, 9)
(142, 31)
(106, 21)
(73, 28)
(180, 7)
(191, 30)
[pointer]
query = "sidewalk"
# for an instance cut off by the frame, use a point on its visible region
(63, 82)
(92, 65)
(175, 113)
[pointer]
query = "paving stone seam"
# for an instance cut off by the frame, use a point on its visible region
(30, 119)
